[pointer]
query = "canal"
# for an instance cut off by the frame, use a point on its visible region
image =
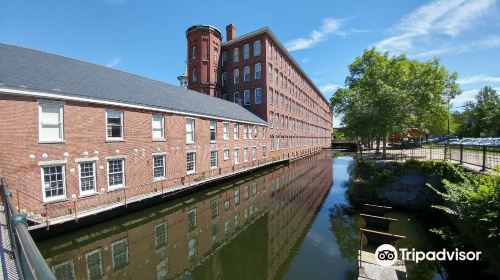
(289, 222)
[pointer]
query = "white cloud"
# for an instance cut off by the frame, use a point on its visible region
(479, 79)
(467, 95)
(328, 88)
(305, 60)
(113, 62)
(329, 26)
(488, 43)
(440, 17)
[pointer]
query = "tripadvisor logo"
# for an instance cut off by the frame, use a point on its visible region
(387, 255)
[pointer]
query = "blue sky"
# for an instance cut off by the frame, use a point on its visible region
(147, 37)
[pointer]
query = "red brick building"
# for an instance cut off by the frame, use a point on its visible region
(257, 72)
(76, 135)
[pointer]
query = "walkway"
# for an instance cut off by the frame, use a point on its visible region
(8, 266)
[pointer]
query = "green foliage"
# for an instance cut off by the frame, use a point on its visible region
(475, 202)
(481, 117)
(386, 95)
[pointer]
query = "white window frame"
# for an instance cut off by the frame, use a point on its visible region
(246, 74)
(225, 130)
(164, 159)
(224, 58)
(264, 151)
(162, 128)
(189, 172)
(100, 262)
(122, 137)
(258, 92)
(257, 46)
(216, 159)
(236, 156)
(245, 154)
(246, 51)
(122, 185)
(258, 67)
(254, 153)
(54, 198)
(246, 97)
(236, 54)
(215, 131)
(236, 131)
(228, 156)
(88, 192)
(191, 141)
(224, 79)
(236, 76)
(113, 252)
(51, 103)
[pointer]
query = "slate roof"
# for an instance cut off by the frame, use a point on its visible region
(28, 69)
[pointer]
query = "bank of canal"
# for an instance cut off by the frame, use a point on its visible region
(289, 222)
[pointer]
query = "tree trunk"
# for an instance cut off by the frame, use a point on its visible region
(378, 145)
(384, 147)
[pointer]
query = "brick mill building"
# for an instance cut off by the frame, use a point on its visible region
(76, 135)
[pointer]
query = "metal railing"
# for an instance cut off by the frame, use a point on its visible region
(28, 258)
(483, 157)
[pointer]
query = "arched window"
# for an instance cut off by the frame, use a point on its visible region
(194, 77)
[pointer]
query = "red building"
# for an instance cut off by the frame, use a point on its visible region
(76, 136)
(257, 72)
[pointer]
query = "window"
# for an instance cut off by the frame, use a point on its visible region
(87, 177)
(161, 235)
(271, 121)
(51, 121)
(213, 131)
(270, 72)
(254, 153)
(255, 134)
(271, 96)
(54, 185)
(116, 178)
(264, 148)
(245, 154)
(119, 251)
(224, 78)
(192, 219)
(245, 131)
(162, 269)
(225, 131)
(192, 251)
(236, 76)
(236, 131)
(237, 197)
(249, 131)
(258, 95)
(193, 76)
(246, 97)
(189, 131)
(236, 54)
(190, 162)
(224, 58)
(158, 125)
(94, 264)
(227, 206)
(213, 159)
(114, 125)
(246, 51)
(214, 205)
(246, 73)
(256, 48)
(236, 156)
(237, 98)
(193, 53)
(226, 154)
(264, 131)
(159, 166)
(65, 270)
(257, 71)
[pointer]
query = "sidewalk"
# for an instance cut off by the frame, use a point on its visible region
(8, 266)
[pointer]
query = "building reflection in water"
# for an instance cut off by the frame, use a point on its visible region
(246, 229)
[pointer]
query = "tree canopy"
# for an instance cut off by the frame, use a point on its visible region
(386, 95)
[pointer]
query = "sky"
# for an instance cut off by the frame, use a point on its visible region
(147, 38)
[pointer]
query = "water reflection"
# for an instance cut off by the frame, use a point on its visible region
(242, 230)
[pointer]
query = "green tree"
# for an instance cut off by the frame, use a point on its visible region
(385, 95)
(484, 113)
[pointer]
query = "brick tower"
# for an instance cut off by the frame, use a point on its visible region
(204, 48)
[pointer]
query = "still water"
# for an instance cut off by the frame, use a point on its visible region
(290, 222)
